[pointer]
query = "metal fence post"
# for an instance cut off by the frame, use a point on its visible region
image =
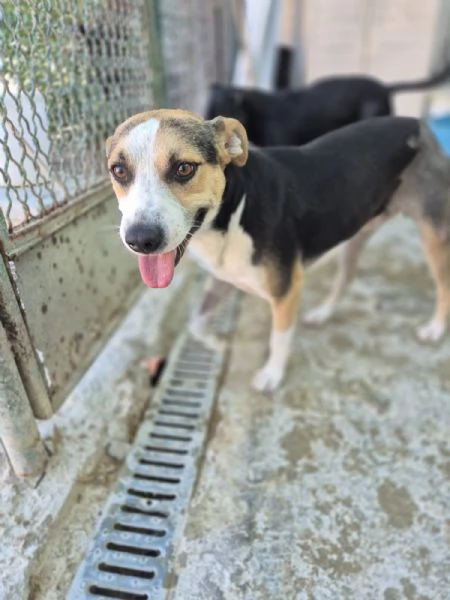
(155, 53)
(19, 342)
(18, 431)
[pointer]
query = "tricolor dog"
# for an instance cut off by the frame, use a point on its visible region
(256, 218)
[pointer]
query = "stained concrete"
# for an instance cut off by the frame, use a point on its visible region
(46, 530)
(338, 486)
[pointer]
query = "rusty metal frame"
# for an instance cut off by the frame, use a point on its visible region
(26, 387)
(45, 267)
(26, 390)
(16, 332)
(18, 431)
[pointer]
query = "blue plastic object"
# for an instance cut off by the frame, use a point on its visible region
(441, 129)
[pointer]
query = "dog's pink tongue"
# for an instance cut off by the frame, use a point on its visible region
(157, 269)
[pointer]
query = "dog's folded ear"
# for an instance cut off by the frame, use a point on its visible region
(232, 141)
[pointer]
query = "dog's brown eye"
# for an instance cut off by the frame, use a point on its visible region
(185, 169)
(119, 172)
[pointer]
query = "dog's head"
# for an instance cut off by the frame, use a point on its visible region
(167, 171)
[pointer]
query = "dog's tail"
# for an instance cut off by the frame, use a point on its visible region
(422, 84)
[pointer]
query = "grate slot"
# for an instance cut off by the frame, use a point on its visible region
(138, 544)
(97, 590)
(181, 383)
(151, 495)
(181, 403)
(135, 539)
(136, 510)
(167, 436)
(162, 450)
(142, 530)
(137, 550)
(202, 363)
(206, 362)
(170, 424)
(184, 394)
(177, 413)
(191, 374)
(198, 365)
(119, 570)
(160, 463)
(157, 478)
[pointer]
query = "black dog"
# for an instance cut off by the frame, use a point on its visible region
(292, 118)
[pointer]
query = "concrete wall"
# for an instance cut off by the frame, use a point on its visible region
(391, 39)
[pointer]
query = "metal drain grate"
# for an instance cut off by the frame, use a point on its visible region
(129, 556)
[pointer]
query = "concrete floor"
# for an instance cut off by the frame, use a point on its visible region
(338, 487)
(46, 530)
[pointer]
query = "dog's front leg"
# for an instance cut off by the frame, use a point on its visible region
(284, 313)
(216, 293)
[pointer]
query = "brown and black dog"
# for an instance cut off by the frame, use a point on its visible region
(255, 218)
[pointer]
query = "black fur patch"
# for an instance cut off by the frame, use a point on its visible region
(301, 202)
(295, 117)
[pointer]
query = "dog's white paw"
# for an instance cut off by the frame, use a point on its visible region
(432, 332)
(267, 379)
(318, 316)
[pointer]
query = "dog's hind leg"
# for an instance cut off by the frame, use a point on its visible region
(348, 261)
(437, 251)
(284, 314)
(215, 294)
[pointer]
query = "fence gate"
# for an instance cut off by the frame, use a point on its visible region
(69, 73)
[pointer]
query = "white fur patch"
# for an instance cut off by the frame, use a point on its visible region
(141, 140)
(269, 377)
(148, 199)
(432, 332)
(234, 145)
(228, 255)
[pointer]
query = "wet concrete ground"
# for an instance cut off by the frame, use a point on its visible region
(338, 486)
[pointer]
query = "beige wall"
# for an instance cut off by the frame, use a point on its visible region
(391, 39)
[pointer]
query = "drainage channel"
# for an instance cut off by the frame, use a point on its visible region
(135, 539)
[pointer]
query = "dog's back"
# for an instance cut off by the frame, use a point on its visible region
(362, 165)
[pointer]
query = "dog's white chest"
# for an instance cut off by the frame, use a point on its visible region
(228, 256)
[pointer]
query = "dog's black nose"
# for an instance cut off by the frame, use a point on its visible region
(145, 239)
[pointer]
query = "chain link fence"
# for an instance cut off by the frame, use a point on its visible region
(71, 70)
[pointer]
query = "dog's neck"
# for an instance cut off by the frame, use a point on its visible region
(232, 196)
(256, 179)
